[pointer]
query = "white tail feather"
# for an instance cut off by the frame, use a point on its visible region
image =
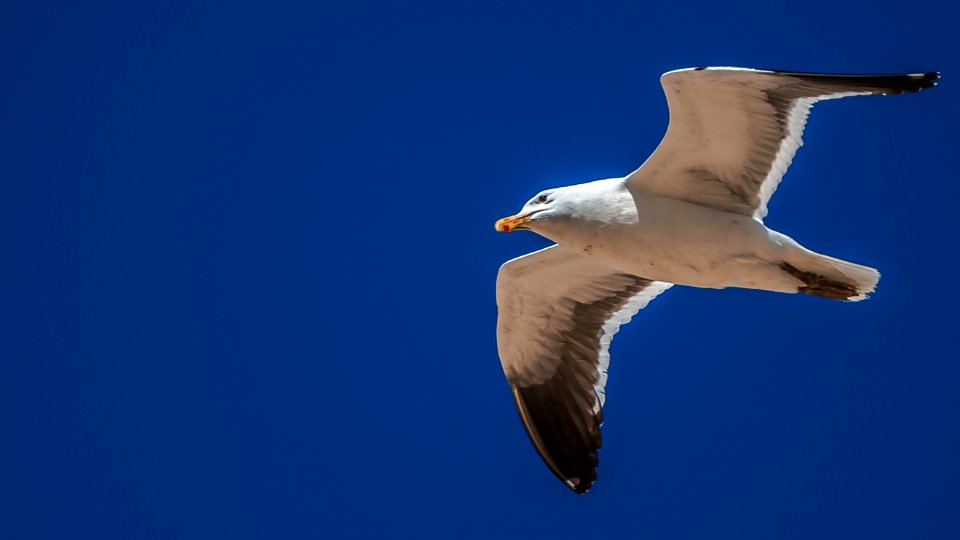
(826, 276)
(863, 278)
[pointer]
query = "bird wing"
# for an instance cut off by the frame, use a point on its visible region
(558, 311)
(733, 131)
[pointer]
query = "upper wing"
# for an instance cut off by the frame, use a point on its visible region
(558, 311)
(733, 131)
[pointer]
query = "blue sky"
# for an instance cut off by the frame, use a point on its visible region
(250, 263)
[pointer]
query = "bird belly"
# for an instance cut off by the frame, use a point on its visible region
(677, 242)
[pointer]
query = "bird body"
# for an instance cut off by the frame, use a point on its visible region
(671, 240)
(692, 214)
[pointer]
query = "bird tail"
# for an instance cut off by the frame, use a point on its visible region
(828, 277)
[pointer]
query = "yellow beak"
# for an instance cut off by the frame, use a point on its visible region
(510, 223)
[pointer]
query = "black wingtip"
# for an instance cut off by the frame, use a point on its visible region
(581, 488)
(879, 84)
(924, 80)
(568, 440)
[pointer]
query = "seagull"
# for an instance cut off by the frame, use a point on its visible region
(692, 214)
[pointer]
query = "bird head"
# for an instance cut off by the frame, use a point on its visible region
(543, 206)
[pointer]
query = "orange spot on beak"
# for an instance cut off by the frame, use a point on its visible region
(510, 223)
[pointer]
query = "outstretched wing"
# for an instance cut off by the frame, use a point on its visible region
(558, 311)
(733, 131)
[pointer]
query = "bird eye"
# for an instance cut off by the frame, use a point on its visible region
(542, 199)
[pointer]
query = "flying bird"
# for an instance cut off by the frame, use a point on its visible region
(692, 214)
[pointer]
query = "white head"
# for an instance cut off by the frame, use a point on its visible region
(550, 205)
(552, 210)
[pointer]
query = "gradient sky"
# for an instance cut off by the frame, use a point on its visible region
(249, 275)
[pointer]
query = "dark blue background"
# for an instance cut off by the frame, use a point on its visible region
(249, 268)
